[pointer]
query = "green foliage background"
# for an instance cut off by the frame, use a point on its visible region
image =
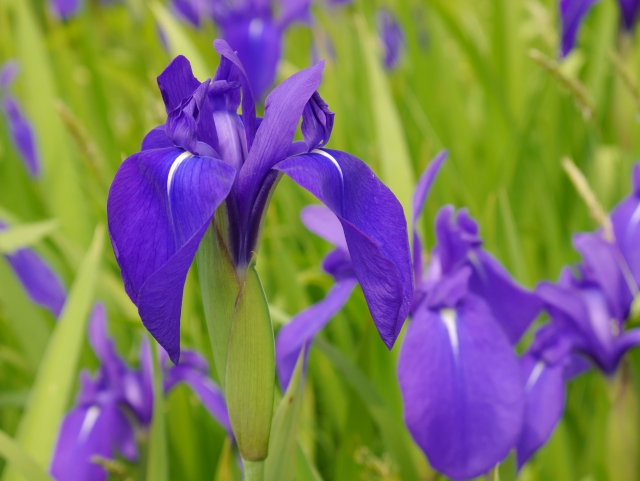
(465, 83)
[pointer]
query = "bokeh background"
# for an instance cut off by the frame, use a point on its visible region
(465, 81)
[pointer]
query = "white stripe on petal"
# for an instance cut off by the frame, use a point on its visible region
(448, 317)
(89, 421)
(172, 171)
(330, 157)
(536, 372)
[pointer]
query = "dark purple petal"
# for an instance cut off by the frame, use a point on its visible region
(462, 388)
(545, 391)
(157, 139)
(513, 307)
(159, 207)
(391, 36)
(303, 328)
(324, 223)
(450, 290)
(374, 227)
(87, 432)
(65, 9)
(317, 122)
(283, 109)
(22, 135)
(177, 83)
(419, 199)
(8, 72)
(338, 264)
(41, 283)
(258, 42)
(629, 10)
(572, 13)
(456, 238)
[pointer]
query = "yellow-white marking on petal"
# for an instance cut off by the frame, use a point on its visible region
(89, 421)
(172, 171)
(536, 372)
(330, 157)
(448, 317)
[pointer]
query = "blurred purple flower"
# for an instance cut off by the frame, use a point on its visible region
(115, 408)
(41, 283)
(20, 130)
(391, 36)
(65, 9)
(163, 199)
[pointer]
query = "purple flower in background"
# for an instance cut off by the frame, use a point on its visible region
(193, 11)
(41, 283)
(65, 9)
(391, 36)
(115, 407)
(163, 199)
(459, 376)
(629, 10)
(20, 130)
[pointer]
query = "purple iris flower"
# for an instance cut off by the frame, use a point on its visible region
(65, 9)
(163, 199)
(41, 283)
(114, 409)
(391, 36)
(459, 376)
(20, 130)
(193, 11)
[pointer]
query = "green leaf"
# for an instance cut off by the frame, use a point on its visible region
(25, 235)
(220, 286)
(17, 458)
(305, 471)
(158, 459)
(52, 388)
(179, 43)
(251, 370)
(395, 160)
(396, 439)
(280, 465)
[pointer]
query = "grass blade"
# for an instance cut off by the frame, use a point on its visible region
(20, 460)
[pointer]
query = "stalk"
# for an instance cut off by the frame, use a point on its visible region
(253, 470)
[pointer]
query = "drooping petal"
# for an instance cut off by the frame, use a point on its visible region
(374, 226)
(87, 432)
(283, 109)
(303, 328)
(177, 83)
(159, 207)
(625, 218)
(513, 307)
(317, 122)
(627, 340)
(572, 13)
(324, 223)
(65, 9)
(8, 72)
(22, 135)
(39, 280)
(258, 41)
(157, 139)
(545, 390)
(462, 388)
(419, 199)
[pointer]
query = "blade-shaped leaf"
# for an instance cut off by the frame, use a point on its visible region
(25, 235)
(157, 461)
(280, 465)
(51, 391)
(20, 460)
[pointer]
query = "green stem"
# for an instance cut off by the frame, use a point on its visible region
(253, 470)
(494, 474)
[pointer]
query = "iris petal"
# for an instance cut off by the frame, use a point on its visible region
(22, 136)
(159, 207)
(374, 226)
(572, 13)
(462, 388)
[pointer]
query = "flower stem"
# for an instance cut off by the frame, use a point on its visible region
(253, 470)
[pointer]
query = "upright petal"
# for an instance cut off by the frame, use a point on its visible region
(391, 36)
(303, 328)
(159, 207)
(105, 349)
(294, 11)
(419, 199)
(513, 307)
(177, 83)
(625, 218)
(22, 135)
(462, 388)
(572, 13)
(317, 122)
(8, 72)
(374, 227)
(545, 390)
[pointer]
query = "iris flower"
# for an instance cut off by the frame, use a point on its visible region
(20, 129)
(391, 36)
(460, 379)
(163, 199)
(114, 409)
(65, 9)
(573, 12)
(39, 280)
(589, 307)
